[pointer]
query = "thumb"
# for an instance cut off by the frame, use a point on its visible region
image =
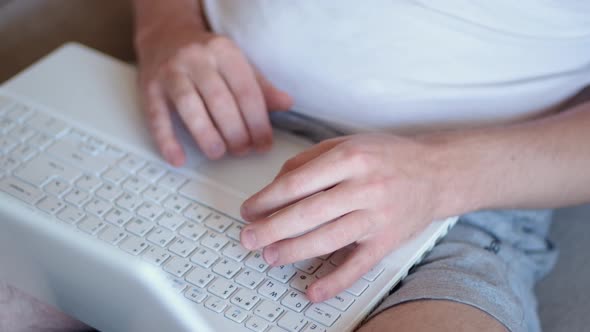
(276, 100)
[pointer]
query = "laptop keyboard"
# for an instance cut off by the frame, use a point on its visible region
(147, 210)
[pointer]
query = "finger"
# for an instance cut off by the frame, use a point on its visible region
(308, 155)
(161, 125)
(223, 110)
(324, 240)
(240, 78)
(300, 217)
(275, 99)
(357, 264)
(321, 173)
(191, 109)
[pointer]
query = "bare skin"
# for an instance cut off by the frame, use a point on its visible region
(432, 176)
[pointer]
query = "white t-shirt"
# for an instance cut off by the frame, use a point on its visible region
(414, 65)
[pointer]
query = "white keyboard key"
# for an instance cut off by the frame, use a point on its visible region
(309, 265)
(222, 288)
(149, 211)
(235, 251)
(97, 143)
(268, 310)
(88, 182)
(91, 225)
(227, 268)
(250, 278)
(200, 277)
(135, 185)
(322, 313)
(51, 204)
(21, 190)
(112, 235)
(257, 324)
(195, 294)
(129, 201)
(115, 175)
(358, 287)
(282, 273)
(218, 222)
(161, 237)
(56, 187)
(204, 257)
(114, 153)
(77, 197)
(109, 192)
(292, 322)
(341, 301)
(7, 144)
(23, 133)
(245, 299)
(74, 154)
(176, 203)
(197, 212)
(118, 217)
(295, 300)
(139, 227)
(313, 327)
(272, 289)
(256, 261)
(215, 304)
(151, 172)
(374, 273)
(276, 329)
(19, 113)
(7, 164)
(98, 207)
(236, 314)
(177, 284)
(70, 214)
(23, 152)
(214, 241)
(131, 163)
(234, 231)
(191, 231)
(182, 247)
(155, 193)
(49, 125)
(172, 221)
(302, 281)
(6, 125)
(177, 266)
(172, 181)
(40, 140)
(41, 168)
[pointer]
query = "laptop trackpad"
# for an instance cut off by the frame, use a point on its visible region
(249, 174)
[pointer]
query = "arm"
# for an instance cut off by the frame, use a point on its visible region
(543, 163)
(377, 190)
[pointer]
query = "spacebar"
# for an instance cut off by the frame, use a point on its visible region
(21, 190)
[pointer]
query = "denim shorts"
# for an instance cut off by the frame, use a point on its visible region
(490, 260)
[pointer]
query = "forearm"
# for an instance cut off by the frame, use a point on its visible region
(543, 163)
(150, 14)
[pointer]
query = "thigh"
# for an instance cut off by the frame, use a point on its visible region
(433, 315)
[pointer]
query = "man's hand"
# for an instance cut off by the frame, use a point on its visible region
(204, 77)
(375, 191)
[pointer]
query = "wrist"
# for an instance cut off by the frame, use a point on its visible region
(464, 166)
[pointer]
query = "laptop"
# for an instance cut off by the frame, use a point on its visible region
(94, 222)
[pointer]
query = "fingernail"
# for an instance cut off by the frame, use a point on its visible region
(270, 254)
(249, 239)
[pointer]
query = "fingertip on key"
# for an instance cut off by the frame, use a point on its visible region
(248, 239)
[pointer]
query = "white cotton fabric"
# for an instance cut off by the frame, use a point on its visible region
(414, 65)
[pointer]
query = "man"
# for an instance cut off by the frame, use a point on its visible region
(473, 87)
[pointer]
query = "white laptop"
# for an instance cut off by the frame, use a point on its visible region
(94, 222)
